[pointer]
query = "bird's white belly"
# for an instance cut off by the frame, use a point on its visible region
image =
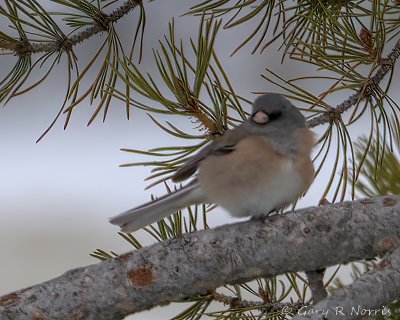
(281, 189)
(262, 195)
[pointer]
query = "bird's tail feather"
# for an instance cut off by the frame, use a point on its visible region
(150, 212)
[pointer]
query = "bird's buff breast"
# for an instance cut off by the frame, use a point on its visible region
(252, 180)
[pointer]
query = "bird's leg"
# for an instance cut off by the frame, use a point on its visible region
(264, 216)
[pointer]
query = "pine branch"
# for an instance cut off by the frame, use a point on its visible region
(42, 44)
(367, 91)
(197, 263)
(370, 292)
(23, 47)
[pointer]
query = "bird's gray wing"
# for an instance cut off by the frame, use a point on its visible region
(221, 146)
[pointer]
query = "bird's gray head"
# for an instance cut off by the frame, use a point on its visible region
(275, 111)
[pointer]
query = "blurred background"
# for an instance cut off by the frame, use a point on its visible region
(56, 196)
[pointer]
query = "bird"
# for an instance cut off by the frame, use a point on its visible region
(260, 166)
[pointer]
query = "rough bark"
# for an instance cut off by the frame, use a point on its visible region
(367, 296)
(174, 270)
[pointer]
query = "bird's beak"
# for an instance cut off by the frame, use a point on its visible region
(260, 117)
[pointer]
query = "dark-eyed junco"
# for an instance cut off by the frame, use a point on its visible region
(260, 166)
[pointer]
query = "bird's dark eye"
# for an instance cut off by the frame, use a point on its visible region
(274, 115)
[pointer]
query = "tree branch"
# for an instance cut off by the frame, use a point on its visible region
(316, 284)
(360, 95)
(199, 262)
(26, 48)
(366, 296)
